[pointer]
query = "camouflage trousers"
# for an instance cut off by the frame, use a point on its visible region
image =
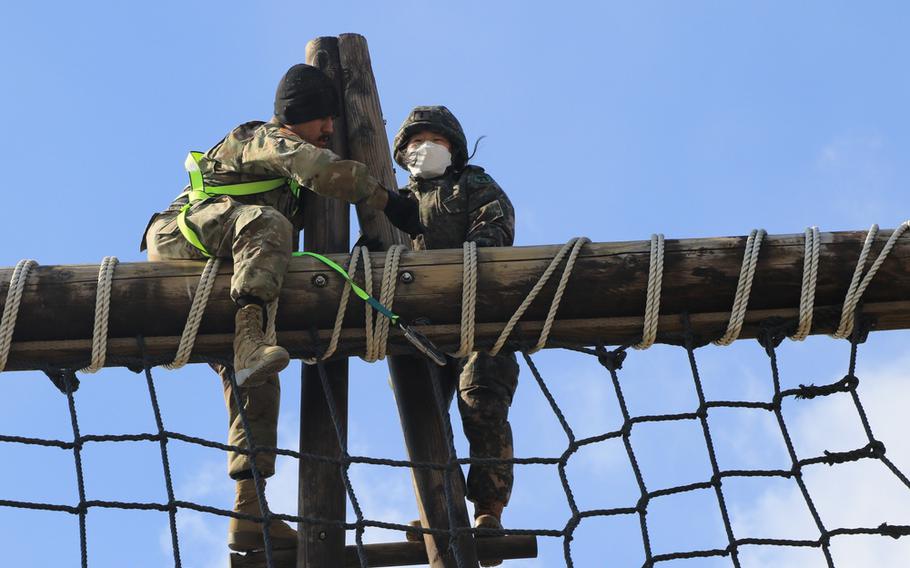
(486, 386)
(260, 406)
(258, 239)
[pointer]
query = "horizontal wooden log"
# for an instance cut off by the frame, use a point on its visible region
(603, 302)
(401, 553)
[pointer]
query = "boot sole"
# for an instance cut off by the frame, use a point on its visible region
(249, 542)
(257, 375)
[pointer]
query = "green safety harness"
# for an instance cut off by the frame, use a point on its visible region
(198, 192)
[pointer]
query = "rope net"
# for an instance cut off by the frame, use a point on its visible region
(610, 360)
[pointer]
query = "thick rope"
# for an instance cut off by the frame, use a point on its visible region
(378, 334)
(575, 246)
(194, 318)
(560, 290)
(468, 300)
(810, 279)
(11, 307)
(102, 314)
(377, 327)
(367, 310)
(857, 286)
(743, 288)
(342, 307)
(652, 303)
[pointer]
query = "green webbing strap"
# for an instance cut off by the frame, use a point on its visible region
(361, 293)
(198, 192)
(188, 233)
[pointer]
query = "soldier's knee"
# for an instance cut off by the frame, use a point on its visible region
(265, 224)
(483, 408)
(272, 217)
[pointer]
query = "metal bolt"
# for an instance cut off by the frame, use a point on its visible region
(322, 535)
(407, 277)
(320, 281)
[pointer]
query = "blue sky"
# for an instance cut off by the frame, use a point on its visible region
(602, 119)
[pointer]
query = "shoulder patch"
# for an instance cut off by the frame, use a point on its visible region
(477, 179)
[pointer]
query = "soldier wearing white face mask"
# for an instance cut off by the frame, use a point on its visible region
(460, 202)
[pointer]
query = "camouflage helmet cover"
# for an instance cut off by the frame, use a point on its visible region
(437, 119)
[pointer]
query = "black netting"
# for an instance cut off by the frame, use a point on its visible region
(611, 360)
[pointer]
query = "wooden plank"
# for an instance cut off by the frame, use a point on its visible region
(321, 491)
(607, 291)
(422, 422)
(401, 553)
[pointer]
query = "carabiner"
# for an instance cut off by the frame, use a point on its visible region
(422, 344)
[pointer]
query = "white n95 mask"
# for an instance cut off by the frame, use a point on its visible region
(428, 160)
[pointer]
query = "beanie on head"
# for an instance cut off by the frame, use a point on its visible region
(305, 93)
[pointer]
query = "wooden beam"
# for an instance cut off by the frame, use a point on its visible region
(402, 553)
(421, 421)
(321, 490)
(604, 299)
(366, 132)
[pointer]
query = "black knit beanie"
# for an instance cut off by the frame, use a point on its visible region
(305, 93)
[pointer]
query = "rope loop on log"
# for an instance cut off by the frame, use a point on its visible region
(378, 332)
(377, 327)
(574, 245)
(860, 282)
(194, 318)
(11, 307)
(743, 288)
(652, 303)
(342, 306)
(102, 314)
(810, 279)
(468, 300)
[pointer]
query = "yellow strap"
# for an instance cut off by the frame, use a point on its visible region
(188, 233)
(200, 191)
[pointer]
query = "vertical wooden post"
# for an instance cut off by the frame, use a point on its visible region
(321, 491)
(421, 421)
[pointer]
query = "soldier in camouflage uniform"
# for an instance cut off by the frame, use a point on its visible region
(458, 203)
(256, 231)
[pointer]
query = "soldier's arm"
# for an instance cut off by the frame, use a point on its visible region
(491, 217)
(285, 154)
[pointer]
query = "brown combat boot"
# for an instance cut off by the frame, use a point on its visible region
(488, 518)
(246, 536)
(254, 359)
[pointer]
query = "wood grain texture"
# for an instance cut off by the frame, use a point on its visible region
(321, 490)
(604, 299)
(366, 133)
(422, 423)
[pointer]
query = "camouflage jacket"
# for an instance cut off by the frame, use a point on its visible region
(258, 150)
(462, 206)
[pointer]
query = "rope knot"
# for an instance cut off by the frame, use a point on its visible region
(65, 380)
(642, 505)
(847, 384)
(611, 360)
(894, 531)
(874, 449)
(772, 333)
